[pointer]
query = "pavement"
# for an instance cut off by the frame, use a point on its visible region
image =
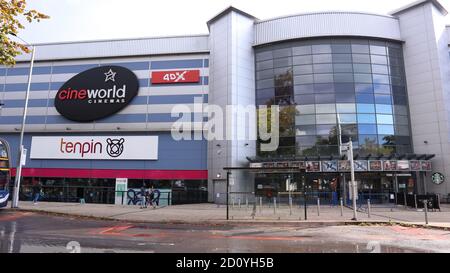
(216, 214)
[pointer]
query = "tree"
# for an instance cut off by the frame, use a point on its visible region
(11, 14)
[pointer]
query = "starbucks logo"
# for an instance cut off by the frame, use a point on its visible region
(437, 178)
(115, 147)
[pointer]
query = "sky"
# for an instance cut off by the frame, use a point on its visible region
(78, 20)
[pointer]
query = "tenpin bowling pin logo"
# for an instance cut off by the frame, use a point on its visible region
(115, 147)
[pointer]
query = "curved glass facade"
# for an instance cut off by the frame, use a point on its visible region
(319, 84)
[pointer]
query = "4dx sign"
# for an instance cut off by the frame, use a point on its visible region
(178, 76)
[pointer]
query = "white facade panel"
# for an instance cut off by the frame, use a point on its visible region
(326, 24)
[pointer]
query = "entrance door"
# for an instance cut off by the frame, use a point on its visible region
(220, 191)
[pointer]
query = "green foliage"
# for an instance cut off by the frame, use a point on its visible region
(11, 13)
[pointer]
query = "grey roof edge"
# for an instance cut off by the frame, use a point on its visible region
(415, 4)
(323, 12)
(228, 10)
(120, 39)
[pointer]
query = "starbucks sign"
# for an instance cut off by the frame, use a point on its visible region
(437, 178)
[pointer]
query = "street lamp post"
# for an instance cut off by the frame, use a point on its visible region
(15, 201)
(353, 182)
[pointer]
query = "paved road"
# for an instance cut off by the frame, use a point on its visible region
(34, 232)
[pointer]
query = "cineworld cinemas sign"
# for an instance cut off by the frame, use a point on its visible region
(96, 93)
(96, 147)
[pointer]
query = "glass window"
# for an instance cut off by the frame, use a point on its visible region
(385, 129)
(282, 62)
(303, 79)
(302, 50)
(305, 130)
(382, 88)
(366, 118)
(265, 93)
(379, 69)
(363, 78)
(361, 58)
(264, 84)
(325, 98)
(346, 108)
(402, 130)
(342, 68)
(400, 110)
(304, 89)
(323, 68)
(264, 65)
(400, 100)
(264, 74)
(326, 119)
(377, 78)
(402, 140)
(385, 119)
(324, 88)
(395, 71)
(361, 68)
(284, 52)
(383, 99)
(386, 139)
(383, 109)
(305, 59)
(306, 140)
(306, 109)
(322, 58)
(341, 48)
(343, 77)
(262, 56)
(347, 118)
(328, 150)
(377, 59)
(325, 108)
(397, 80)
(323, 78)
(395, 61)
(345, 98)
(319, 49)
(364, 98)
(307, 150)
(379, 50)
(367, 129)
(342, 58)
(326, 130)
(304, 99)
(365, 108)
(363, 88)
(305, 120)
(401, 120)
(344, 87)
(303, 69)
(368, 140)
(349, 129)
(360, 48)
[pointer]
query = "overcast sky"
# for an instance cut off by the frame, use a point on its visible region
(74, 20)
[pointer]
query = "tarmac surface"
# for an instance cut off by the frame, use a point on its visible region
(37, 232)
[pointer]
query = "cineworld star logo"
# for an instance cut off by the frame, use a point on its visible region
(115, 147)
(96, 93)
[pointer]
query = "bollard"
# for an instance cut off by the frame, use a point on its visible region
(318, 206)
(425, 208)
(232, 202)
(290, 205)
(415, 201)
(368, 208)
(239, 202)
(404, 196)
(246, 201)
(260, 204)
(342, 206)
(274, 205)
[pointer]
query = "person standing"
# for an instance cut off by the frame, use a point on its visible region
(37, 187)
(143, 197)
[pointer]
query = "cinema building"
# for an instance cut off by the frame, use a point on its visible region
(101, 110)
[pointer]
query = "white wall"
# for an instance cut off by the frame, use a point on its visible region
(427, 75)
